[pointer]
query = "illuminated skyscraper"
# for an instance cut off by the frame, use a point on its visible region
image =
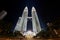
(35, 21)
(23, 22)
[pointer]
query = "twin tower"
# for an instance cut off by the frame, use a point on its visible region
(23, 22)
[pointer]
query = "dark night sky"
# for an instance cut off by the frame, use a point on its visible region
(47, 10)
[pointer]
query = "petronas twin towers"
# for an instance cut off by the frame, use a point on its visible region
(23, 22)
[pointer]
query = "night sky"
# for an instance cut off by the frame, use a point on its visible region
(47, 10)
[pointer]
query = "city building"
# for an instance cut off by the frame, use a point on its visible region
(23, 22)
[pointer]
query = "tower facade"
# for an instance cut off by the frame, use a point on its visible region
(35, 21)
(23, 21)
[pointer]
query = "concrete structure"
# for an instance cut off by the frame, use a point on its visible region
(22, 22)
(35, 21)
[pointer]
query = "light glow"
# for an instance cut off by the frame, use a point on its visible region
(29, 34)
